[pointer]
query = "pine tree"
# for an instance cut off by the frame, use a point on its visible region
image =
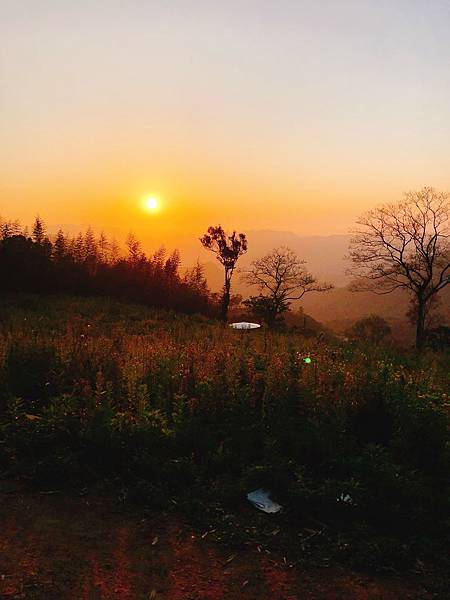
(103, 247)
(39, 231)
(90, 252)
(78, 248)
(9, 229)
(60, 246)
(114, 252)
(90, 245)
(135, 254)
(173, 264)
(195, 278)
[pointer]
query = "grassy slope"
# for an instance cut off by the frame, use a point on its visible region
(166, 409)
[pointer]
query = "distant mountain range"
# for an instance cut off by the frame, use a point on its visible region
(324, 254)
(325, 257)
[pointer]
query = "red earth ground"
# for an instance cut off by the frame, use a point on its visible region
(59, 547)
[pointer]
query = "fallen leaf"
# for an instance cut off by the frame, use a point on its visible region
(33, 417)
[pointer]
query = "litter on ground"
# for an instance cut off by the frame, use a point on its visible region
(261, 500)
(244, 325)
(345, 498)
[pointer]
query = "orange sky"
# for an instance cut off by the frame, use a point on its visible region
(259, 115)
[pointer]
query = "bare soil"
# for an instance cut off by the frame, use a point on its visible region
(67, 547)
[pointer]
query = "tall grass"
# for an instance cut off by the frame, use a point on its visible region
(93, 389)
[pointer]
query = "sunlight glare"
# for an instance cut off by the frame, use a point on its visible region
(151, 204)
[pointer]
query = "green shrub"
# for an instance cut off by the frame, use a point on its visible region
(159, 404)
(32, 371)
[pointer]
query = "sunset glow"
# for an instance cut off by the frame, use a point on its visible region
(224, 289)
(356, 113)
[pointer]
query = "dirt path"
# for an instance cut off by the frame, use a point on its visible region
(57, 547)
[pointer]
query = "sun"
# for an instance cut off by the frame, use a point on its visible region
(151, 204)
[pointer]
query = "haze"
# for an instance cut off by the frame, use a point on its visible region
(287, 115)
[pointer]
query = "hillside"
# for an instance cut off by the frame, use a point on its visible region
(178, 418)
(342, 305)
(324, 254)
(325, 258)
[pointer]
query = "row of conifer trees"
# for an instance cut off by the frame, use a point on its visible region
(34, 261)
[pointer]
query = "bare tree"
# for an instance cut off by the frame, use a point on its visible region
(281, 278)
(227, 248)
(405, 245)
(432, 317)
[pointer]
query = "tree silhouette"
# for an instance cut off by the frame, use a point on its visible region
(195, 277)
(228, 249)
(90, 245)
(114, 252)
(60, 246)
(265, 309)
(372, 329)
(85, 265)
(172, 264)
(103, 247)
(9, 228)
(39, 232)
(135, 254)
(281, 278)
(405, 245)
(77, 248)
(91, 258)
(432, 317)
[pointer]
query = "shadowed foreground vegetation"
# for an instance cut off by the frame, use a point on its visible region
(67, 547)
(167, 410)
